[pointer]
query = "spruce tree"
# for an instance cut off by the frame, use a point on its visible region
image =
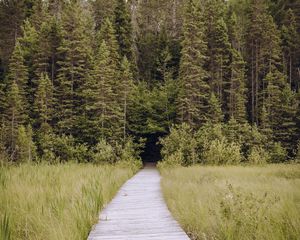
(15, 116)
(219, 53)
(281, 106)
(108, 34)
(125, 91)
(236, 93)
(18, 73)
(290, 46)
(215, 114)
(25, 148)
(123, 29)
(43, 102)
(194, 89)
(74, 66)
(101, 104)
(264, 53)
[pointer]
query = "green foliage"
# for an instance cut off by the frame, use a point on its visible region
(43, 102)
(104, 153)
(221, 152)
(25, 150)
(258, 156)
(230, 143)
(126, 154)
(66, 149)
(180, 146)
(278, 153)
(194, 89)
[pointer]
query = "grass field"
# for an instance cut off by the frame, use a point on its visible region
(55, 202)
(235, 202)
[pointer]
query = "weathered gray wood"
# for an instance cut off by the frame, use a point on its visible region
(138, 212)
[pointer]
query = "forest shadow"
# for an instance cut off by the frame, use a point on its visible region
(151, 153)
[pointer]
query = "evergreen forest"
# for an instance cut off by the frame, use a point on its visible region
(212, 81)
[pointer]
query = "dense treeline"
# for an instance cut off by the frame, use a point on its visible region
(86, 80)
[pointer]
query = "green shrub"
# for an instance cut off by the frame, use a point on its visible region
(258, 156)
(104, 153)
(220, 152)
(129, 154)
(277, 153)
(172, 160)
(25, 147)
(180, 142)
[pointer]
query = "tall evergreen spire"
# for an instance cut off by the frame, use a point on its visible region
(194, 89)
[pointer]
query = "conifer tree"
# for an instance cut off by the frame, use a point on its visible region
(108, 34)
(125, 91)
(28, 43)
(43, 103)
(215, 114)
(290, 45)
(15, 116)
(264, 53)
(219, 53)
(123, 29)
(194, 89)
(281, 106)
(25, 148)
(18, 75)
(236, 90)
(75, 50)
(102, 107)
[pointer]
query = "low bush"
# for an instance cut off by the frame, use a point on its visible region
(230, 143)
(221, 152)
(258, 156)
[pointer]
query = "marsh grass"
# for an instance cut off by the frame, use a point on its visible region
(55, 202)
(235, 202)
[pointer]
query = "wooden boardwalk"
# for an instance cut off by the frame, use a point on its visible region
(138, 212)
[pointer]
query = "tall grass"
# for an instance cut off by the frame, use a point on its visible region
(55, 202)
(235, 202)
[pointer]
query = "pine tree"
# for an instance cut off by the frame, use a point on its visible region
(18, 73)
(281, 106)
(290, 45)
(15, 116)
(125, 91)
(25, 148)
(74, 66)
(287, 130)
(219, 53)
(102, 108)
(108, 34)
(194, 89)
(236, 89)
(215, 114)
(28, 43)
(264, 53)
(43, 102)
(123, 29)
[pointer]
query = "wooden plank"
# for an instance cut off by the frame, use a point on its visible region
(138, 212)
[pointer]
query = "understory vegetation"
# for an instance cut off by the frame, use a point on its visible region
(235, 202)
(55, 202)
(222, 144)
